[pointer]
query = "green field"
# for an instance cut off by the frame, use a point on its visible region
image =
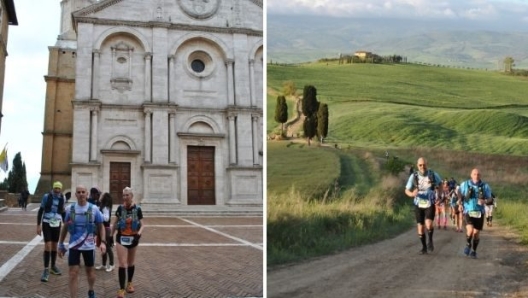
(321, 200)
(413, 105)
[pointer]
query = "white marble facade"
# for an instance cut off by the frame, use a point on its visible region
(156, 76)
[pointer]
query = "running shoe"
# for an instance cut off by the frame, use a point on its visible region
(99, 267)
(466, 250)
(130, 288)
(121, 293)
(423, 251)
(109, 268)
(445, 227)
(473, 254)
(430, 247)
(91, 294)
(55, 270)
(45, 275)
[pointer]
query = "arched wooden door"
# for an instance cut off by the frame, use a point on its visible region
(200, 175)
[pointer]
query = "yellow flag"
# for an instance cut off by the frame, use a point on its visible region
(4, 165)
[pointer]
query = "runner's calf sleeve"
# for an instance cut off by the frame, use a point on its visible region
(130, 270)
(468, 238)
(122, 277)
(475, 244)
(47, 255)
(53, 257)
(422, 239)
(430, 234)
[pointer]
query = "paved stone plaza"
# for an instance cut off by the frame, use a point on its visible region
(179, 256)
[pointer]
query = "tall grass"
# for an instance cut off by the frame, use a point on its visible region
(299, 227)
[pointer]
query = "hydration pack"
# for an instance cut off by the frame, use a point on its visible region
(121, 224)
(431, 176)
(49, 203)
(90, 221)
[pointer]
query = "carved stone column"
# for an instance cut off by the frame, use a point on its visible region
(232, 139)
(172, 138)
(171, 74)
(252, 82)
(95, 77)
(148, 66)
(93, 138)
(148, 138)
(230, 82)
(255, 119)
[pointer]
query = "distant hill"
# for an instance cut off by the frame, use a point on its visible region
(294, 39)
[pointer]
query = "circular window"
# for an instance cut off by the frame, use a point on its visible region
(198, 65)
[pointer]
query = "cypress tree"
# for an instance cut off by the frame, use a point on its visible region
(281, 112)
(322, 121)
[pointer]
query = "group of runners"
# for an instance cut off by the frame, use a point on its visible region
(469, 203)
(85, 222)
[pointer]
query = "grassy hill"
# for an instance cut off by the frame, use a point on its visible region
(408, 105)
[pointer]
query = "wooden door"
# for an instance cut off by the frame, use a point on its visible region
(200, 175)
(119, 179)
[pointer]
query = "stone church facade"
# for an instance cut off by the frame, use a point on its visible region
(167, 99)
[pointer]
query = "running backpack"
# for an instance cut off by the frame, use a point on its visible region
(431, 176)
(49, 203)
(90, 221)
(121, 224)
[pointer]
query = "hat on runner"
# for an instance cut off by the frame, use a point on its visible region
(57, 184)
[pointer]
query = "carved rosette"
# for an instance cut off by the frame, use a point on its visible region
(199, 9)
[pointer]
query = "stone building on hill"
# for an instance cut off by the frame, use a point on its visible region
(164, 96)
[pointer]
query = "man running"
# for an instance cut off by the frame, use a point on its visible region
(421, 187)
(81, 221)
(473, 193)
(49, 219)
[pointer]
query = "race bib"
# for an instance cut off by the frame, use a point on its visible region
(127, 240)
(54, 223)
(424, 203)
(474, 214)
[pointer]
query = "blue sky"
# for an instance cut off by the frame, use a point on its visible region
(512, 12)
(25, 89)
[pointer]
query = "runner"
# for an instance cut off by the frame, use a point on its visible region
(490, 205)
(456, 211)
(474, 193)
(81, 221)
(421, 187)
(49, 219)
(128, 222)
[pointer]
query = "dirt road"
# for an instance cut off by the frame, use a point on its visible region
(393, 268)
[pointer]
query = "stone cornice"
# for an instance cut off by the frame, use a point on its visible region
(244, 168)
(171, 26)
(200, 135)
(58, 79)
(97, 7)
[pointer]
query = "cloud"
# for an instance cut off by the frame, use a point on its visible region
(475, 10)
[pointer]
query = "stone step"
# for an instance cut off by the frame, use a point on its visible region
(198, 210)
